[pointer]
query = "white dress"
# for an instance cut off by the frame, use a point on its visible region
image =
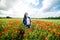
(28, 21)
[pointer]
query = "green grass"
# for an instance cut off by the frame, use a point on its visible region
(56, 21)
(34, 33)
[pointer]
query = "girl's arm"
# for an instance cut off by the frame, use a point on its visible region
(24, 21)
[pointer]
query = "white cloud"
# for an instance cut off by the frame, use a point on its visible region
(46, 6)
(35, 2)
(19, 7)
(49, 4)
(2, 4)
(47, 14)
(6, 4)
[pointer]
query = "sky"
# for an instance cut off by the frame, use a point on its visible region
(35, 8)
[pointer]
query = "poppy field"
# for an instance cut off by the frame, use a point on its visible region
(41, 29)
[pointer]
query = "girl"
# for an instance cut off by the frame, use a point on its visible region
(27, 20)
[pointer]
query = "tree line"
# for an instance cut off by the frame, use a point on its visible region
(41, 18)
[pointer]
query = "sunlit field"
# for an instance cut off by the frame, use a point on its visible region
(41, 29)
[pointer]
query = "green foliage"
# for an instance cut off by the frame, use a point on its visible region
(1, 29)
(30, 34)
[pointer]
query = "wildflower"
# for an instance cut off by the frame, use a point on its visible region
(31, 29)
(3, 32)
(24, 35)
(53, 31)
(54, 26)
(58, 26)
(10, 22)
(26, 30)
(48, 24)
(37, 22)
(36, 34)
(5, 29)
(59, 33)
(0, 34)
(17, 31)
(46, 38)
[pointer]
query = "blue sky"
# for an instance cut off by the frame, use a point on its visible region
(35, 8)
(38, 5)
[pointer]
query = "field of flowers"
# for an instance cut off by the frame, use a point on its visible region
(13, 29)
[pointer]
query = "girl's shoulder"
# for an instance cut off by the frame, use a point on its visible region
(28, 17)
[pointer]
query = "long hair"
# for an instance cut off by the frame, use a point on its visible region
(25, 15)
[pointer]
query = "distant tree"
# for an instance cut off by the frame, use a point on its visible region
(8, 17)
(0, 17)
(54, 17)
